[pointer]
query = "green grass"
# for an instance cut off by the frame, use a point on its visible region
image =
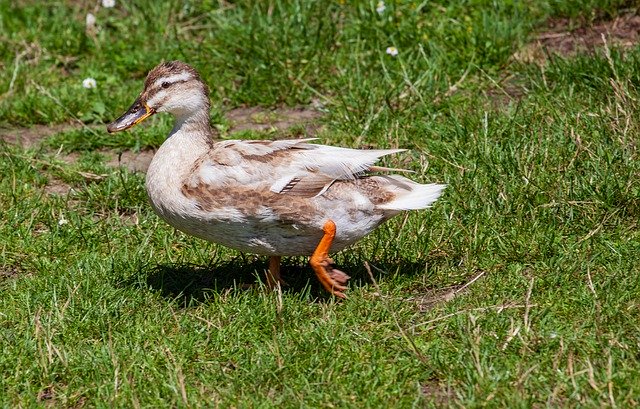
(103, 304)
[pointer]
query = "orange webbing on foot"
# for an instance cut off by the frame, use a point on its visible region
(332, 280)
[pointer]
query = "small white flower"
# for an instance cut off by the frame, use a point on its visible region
(90, 21)
(62, 221)
(108, 3)
(392, 51)
(381, 7)
(89, 83)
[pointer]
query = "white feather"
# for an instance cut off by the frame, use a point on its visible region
(279, 184)
(412, 195)
(183, 76)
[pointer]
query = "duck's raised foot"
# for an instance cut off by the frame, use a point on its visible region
(332, 280)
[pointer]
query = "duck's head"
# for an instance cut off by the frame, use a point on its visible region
(173, 87)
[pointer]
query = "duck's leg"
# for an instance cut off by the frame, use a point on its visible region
(273, 274)
(331, 279)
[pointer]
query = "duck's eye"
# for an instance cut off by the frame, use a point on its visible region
(165, 85)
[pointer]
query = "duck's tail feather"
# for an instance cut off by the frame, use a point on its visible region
(410, 195)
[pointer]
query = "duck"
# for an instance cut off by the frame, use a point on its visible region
(273, 198)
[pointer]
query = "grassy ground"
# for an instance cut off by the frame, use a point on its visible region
(519, 288)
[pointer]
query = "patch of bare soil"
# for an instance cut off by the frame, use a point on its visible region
(28, 137)
(506, 90)
(133, 161)
(562, 38)
(57, 187)
(260, 119)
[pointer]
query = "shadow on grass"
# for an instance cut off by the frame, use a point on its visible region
(189, 283)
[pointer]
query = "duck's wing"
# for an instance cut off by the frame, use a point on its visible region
(289, 167)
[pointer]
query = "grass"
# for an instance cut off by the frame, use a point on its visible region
(519, 288)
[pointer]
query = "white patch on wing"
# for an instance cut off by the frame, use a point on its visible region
(183, 76)
(343, 163)
(279, 185)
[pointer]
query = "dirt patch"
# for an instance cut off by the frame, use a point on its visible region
(504, 91)
(261, 119)
(57, 187)
(561, 37)
(134, 161)
(28, 137)
(620, 32)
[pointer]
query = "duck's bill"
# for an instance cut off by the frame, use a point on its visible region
(137, 113)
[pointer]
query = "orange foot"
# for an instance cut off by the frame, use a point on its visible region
(331, 279)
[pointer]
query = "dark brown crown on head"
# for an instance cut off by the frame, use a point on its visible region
(171, 68)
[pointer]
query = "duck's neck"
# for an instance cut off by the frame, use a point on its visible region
(190, 138)
(193, 129)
